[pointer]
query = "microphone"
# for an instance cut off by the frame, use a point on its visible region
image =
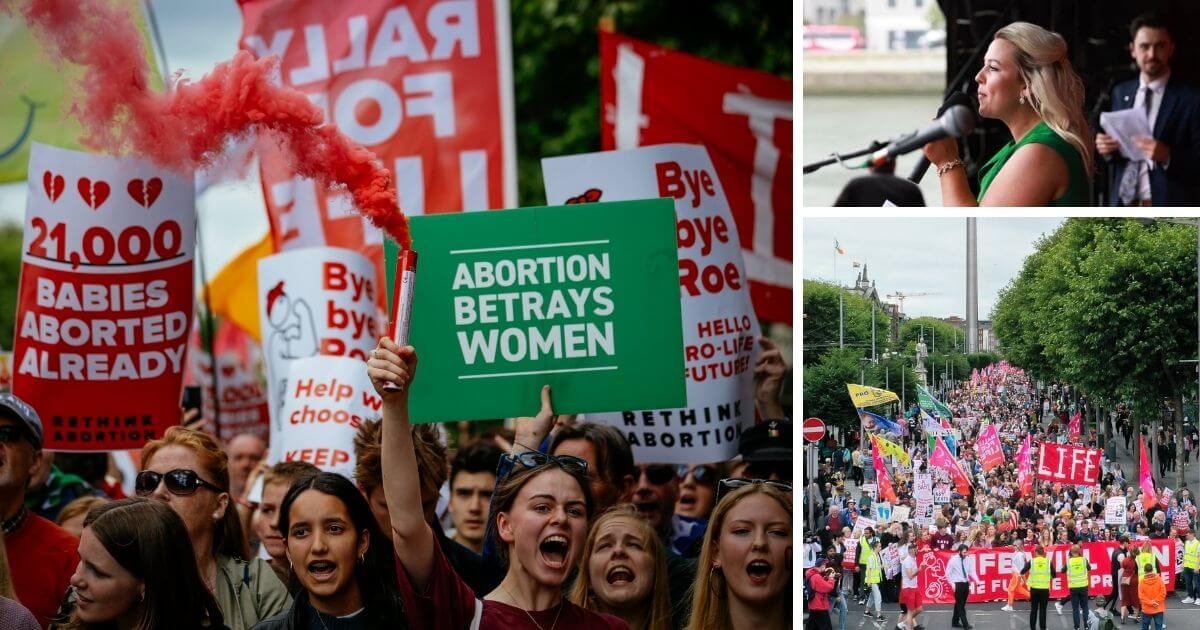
(955, 98)
(958, 121)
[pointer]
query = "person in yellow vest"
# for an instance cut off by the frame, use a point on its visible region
(874, 575)
(1040, 572)
(1077, 581)
(1146, 561)
(1191, 568)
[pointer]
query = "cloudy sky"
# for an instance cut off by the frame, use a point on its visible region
(923, 255)
(196, 36)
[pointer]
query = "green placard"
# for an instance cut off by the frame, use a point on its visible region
(584, 298)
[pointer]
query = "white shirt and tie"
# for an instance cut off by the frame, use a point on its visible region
(958, 570)
(1148, 99)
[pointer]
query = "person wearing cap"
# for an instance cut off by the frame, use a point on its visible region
(823, 580)
(960, 573)
(1101, 618)
(766, 451)
(1191, 568)
(41, 555)
(1040, 572)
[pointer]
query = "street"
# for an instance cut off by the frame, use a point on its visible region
(988, 616)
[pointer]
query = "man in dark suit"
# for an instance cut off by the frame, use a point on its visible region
(1171, 173)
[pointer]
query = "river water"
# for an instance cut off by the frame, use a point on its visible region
(848, 123)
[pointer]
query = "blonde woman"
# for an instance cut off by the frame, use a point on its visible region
(745, 568)
(625, 571)
(1028, 84)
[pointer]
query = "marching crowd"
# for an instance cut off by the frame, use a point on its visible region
(841, 565)
(552, 524)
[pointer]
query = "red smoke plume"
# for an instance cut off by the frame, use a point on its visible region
(187, 128)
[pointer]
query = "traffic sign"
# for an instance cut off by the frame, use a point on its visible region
(814, 429)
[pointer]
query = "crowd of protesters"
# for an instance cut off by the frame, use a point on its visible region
(549, 523)
(995, 512)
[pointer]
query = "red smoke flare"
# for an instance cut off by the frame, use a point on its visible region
(187, 128)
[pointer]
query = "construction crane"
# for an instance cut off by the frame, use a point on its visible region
(900, 296)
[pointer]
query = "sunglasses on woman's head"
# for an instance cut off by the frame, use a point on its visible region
(569, 463)
(729, 485)
(180, 482)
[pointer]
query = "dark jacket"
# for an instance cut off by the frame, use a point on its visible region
(1178, 125)
(297, 618)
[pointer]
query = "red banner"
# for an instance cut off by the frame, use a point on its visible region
(1067, 463)
(105, 303)
(235, 386)
(995, 568)
(426, 85)
(654, 95)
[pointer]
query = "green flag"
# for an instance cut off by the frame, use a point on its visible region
(931, 404)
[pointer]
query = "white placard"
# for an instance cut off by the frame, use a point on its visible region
(923, 485)
(719, 324)
(318, 300)
(327, 399)
(883, 512)
(941, 494)
(900, 513)
(1114, 511)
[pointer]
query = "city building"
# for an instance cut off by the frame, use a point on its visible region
(898, 24)
(832, 11)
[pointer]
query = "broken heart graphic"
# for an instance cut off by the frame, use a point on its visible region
(93, 193)
(145, 192)
(54, 185)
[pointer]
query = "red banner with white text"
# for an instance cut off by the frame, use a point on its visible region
(426, 85)
(106, 298)
(655, 95)
(1069, 464)
(995, 568)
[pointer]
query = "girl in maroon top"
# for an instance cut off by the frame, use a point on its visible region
(541, 518)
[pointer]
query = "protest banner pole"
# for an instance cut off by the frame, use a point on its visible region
(210, 331)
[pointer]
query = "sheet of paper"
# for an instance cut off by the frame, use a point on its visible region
(1124, 126)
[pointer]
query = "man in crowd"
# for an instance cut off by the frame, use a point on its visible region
(472, 479)
(961, 574)
(41, 556)
(245, 452)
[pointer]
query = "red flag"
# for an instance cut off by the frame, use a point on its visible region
(1073, 429)
(941, 458)
(424, 85)
(882, 481)
(1145, 479)
(654, 95)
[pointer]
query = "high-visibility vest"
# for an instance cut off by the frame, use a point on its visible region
(1145, 564)
(864, 550)
(1077, 572)
(874, 570)
(1191, 554)
(1039, 573)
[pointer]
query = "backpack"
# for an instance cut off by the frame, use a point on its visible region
(809, 593)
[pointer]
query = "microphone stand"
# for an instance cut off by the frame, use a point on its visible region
(836, 158)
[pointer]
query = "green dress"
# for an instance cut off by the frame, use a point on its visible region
(1079, 190)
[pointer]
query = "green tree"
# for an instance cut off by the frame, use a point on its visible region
(821, 321)
(980, 360)
(556, 63)
(940, 336)
(1108, 305)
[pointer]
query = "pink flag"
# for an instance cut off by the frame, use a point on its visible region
(1149, 496)
(1025, 467)
(942, 458)
(882, 482)
(990, 453)
(1073, 429)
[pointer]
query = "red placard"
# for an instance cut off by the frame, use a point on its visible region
(988, 446)
(654, 95)
(1067, 463)
(996, 566)
(426, 85)
(105, 304)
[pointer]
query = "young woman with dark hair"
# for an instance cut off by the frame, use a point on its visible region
(541, 513)
(137, 570)
(342, 566)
